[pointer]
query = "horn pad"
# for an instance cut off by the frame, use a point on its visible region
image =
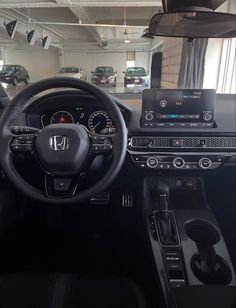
(62, 148)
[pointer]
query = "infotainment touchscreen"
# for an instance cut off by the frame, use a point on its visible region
(178, 108)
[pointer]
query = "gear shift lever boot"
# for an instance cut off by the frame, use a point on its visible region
(167, 228)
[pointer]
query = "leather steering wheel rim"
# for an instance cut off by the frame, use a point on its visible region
(18, 104)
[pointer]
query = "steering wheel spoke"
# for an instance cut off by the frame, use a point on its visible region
(60, 185)
(22, 139)
(101, 144)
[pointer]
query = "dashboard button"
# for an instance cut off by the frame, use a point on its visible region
(62, 184)
(205, 163)
(177, 142)
(152, 162)
(207, 117)
(178, 162)
(149, 116)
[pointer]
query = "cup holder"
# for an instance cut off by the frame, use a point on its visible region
(202, 232)
(206, 265)
(214, 271)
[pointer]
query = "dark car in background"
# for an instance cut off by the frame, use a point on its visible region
(104, 76)
(136, 76)
(13, 74)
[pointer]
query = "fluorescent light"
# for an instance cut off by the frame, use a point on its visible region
(127, 41)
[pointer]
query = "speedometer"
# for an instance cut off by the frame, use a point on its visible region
(98, 121)
(61, 117)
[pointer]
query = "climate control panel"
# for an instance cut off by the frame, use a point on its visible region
(178, 162)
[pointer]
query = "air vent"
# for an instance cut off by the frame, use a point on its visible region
(188, 142)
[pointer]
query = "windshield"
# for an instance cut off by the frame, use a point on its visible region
(64, 70)
(103, 70)
(115, 49)
(6, 68)
(135, 70)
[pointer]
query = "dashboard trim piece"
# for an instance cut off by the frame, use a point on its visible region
(182, 147)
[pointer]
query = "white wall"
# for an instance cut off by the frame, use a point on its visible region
(44, 63)
(212, 63)
(143, 59)
(39, 63)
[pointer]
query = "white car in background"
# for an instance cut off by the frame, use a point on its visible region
(72, 71)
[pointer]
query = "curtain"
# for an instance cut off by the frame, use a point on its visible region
(156, 70)
(192, 65)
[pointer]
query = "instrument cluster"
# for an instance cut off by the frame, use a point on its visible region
(93, 118)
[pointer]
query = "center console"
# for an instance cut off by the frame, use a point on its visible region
(187, 244)
(181, 140)
(170, 148)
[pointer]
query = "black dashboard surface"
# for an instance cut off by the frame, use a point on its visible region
(130, 106)
(225, 118)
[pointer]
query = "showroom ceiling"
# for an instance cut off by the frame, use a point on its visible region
(78, 24)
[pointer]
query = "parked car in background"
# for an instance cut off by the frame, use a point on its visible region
(136, 76)
(104, 76)
(13, 74)
(72, 71)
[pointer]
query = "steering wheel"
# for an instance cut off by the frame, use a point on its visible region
(63, 151)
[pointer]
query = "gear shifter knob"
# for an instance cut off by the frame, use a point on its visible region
(163, 191)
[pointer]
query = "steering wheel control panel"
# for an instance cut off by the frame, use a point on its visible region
(168, 108)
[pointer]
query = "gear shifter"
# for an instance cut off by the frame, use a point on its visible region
(163, 190)
(165, 219)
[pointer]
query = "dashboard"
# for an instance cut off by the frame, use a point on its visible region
(189, 141)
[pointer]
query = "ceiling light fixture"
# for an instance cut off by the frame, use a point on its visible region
(31, 37)
(127, 41)
(11, 28)
(46, 41)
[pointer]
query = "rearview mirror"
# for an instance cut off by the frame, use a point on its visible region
(194, 25)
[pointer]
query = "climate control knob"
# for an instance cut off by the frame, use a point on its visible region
(205, 163)
(178, 162)
(149, 116)
(152, 162)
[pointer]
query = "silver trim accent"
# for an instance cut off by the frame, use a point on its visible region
(59, 143)
(148, 162)
(147, 116)
(157, 231)
(174, 162)
(127, 199)
(201, 165)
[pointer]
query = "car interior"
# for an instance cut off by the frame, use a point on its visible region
(123, 199)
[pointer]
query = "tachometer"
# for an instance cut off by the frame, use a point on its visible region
(61, 117)
(98, 121)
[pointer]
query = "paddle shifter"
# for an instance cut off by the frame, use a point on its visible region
(164, 218)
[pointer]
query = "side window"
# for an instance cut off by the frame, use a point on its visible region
(227, 72)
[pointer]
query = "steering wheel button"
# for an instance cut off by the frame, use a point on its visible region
(61, 184)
